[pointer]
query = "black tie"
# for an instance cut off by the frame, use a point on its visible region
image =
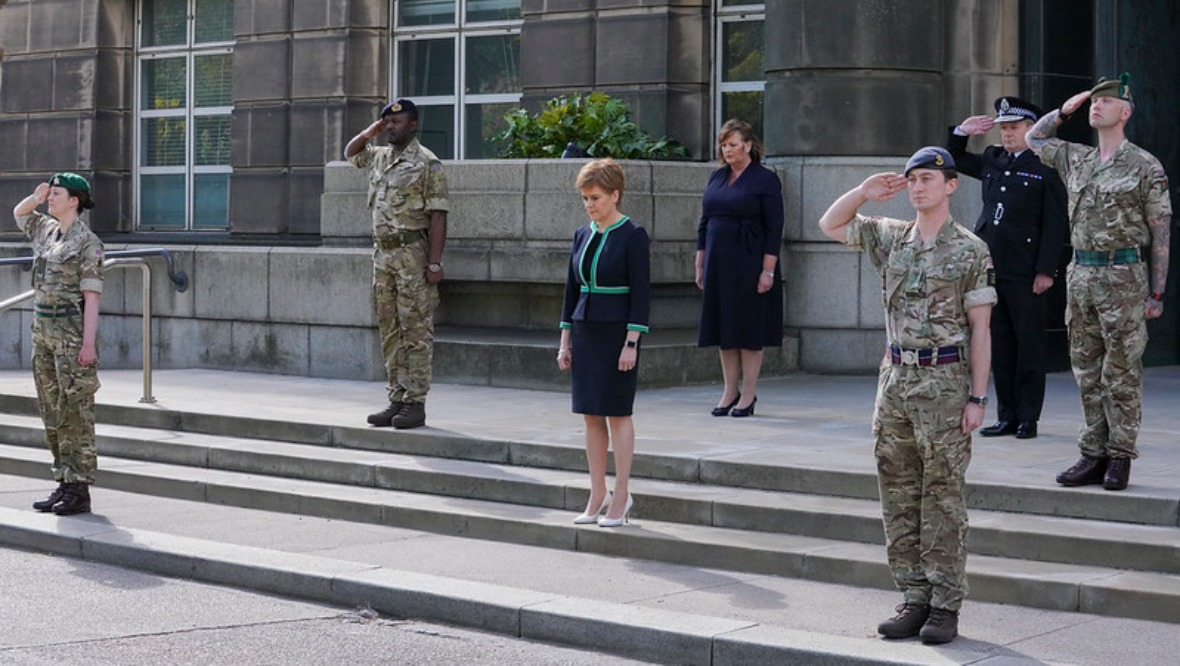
(1011, 160)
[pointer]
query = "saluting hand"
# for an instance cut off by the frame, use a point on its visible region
(976, 125)
(41, 193)
(882, 186)
(1074, 103)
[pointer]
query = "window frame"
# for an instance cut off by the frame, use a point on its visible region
(190, 51)
(723, 15)
(460, 31)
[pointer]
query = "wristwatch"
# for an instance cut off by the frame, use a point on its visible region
(434, 268)
(980, 400)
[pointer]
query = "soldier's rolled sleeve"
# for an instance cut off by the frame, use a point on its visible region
(1157, 203)
(981, 283)
(435, 192)
(28, 224)
(91, 254)
(363, 159)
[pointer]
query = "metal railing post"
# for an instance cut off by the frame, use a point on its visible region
(146, 271)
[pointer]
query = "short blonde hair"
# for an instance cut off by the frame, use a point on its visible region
(743, 129)
(605, 173)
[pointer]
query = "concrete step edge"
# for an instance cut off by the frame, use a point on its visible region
(1127, 507)
(1053, 586)
(642, 633)
(1043, 538)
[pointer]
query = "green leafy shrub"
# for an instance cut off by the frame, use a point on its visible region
(597, 123)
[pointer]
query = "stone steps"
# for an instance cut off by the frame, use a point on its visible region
(1039, 561)
(524, 358)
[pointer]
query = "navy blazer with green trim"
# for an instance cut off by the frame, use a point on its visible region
(617, 287)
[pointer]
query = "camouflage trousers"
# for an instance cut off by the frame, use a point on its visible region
(922, 457)
(65, 396)
(405, 302)
(1107, 336)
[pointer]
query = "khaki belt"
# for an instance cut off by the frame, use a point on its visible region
(399, 239)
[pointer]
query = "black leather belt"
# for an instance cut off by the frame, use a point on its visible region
(940, 356)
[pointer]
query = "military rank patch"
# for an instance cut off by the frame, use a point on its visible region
(991, 273)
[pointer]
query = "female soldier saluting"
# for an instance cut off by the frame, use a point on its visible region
(67, 280)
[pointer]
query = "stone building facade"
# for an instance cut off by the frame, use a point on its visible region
(209, 126)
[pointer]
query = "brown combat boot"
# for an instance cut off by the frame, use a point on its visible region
(1118, 474)
(907, 623)
(412, 415)
(75, 499)
(46, 505)
(384, 418)
(1086, 471)
(941, 627)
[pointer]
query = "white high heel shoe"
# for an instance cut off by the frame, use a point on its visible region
(617, 522)
(588, 518)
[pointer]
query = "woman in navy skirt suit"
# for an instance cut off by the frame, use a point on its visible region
(607, 301)
(737, 265)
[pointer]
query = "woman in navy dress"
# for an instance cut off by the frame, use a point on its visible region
(607, 301)
(737, 265)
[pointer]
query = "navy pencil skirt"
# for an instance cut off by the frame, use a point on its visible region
(598, 388)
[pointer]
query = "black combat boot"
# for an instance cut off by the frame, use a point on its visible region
(46, 505)
(384, 418)
(75, 499)
(1118, 474)
(1086, 471)
(941, 627)
(412, 415)
(907, 623)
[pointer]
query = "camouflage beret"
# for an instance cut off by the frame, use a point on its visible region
(70, 181)
(1120, 88)
(930, 157)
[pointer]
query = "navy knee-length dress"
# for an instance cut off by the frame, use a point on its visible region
(740, 223)
(607, 293)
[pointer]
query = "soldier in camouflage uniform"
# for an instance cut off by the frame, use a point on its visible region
(67, 284)
(408, 200)
(938, 292)
(1118, 206)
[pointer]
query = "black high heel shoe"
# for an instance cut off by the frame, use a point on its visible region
(742, 412)
(724, 411)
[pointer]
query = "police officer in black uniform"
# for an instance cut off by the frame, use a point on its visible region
(1025, 223)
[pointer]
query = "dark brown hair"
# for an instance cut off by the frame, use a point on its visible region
(747, 133)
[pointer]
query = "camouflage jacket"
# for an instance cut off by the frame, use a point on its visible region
(1110, 203)
(927, 287)
(64, 264)
(403, 187)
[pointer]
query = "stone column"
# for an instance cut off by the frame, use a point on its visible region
(308, 76)
(65, 101)
(654, 54)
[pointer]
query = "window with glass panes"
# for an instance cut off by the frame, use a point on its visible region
(459, 61)
(184, 69)
(740, 76)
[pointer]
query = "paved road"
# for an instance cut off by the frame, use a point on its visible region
(56, 610)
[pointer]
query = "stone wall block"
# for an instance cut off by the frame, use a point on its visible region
(257, 17)
(344, 215)
(468, 260)
(260, 134)
(274, 348)
(369, 14)
(531, 262)
(14, 28)
(254, 190)
(872, 310)
(120, 341)
(23, 88)
(230, 282)
(166, 300)
(689, 45)
(632, 49)
(193, 343)
(342, 178)
(73, 82)
(823, 287)
(840, 351)
(557, 52)
(262, 69)
(319, 14)
(112, 140)
(54, 131)
(14, 133)
(114, 71)
(490, 215)
(346, 353)
(320, 62)
(366, 71)
(323, 286)
(59, 25)
(13, 353)
(116, 24)
(984, 36)
(307, 187)
(904, 35)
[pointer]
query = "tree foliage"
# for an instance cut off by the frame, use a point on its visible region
(597, 123)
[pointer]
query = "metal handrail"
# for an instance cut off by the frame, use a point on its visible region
(123, 259)
(179, 278)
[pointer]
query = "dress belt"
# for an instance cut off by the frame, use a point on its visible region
(939, 356)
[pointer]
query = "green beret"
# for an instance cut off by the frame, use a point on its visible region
(70, 181)
(1120, 88)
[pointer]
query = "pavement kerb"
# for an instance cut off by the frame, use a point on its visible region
(667, 636)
